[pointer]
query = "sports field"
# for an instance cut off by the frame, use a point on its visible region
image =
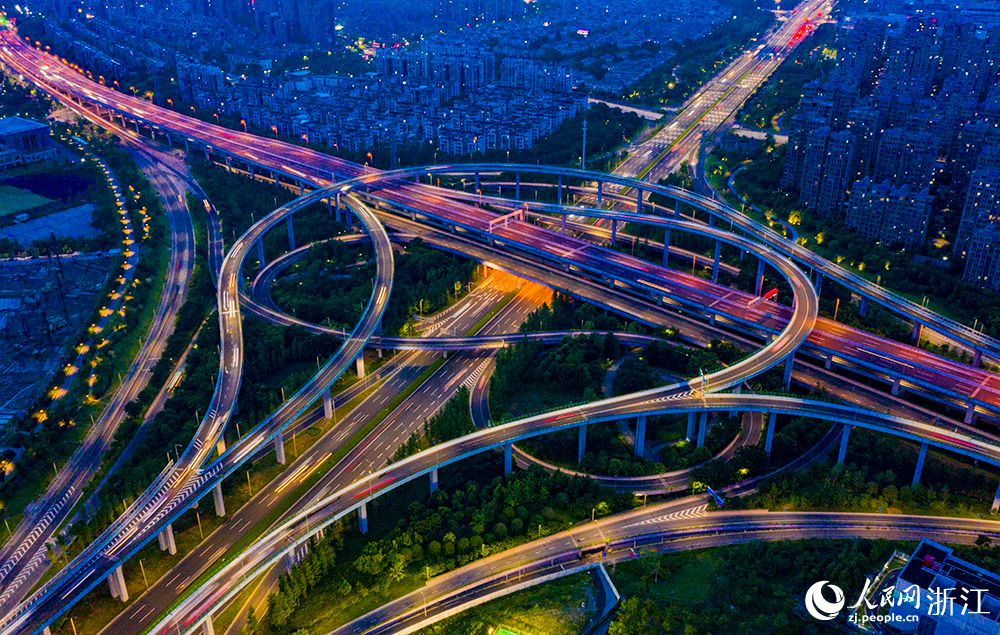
(14, 200)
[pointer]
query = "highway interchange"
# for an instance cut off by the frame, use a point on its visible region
(369, 196)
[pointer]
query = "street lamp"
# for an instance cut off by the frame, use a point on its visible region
(216, 115)
(244, 123)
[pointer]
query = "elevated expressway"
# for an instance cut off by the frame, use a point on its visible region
(681, 398)
(184, 484)
(135, 527)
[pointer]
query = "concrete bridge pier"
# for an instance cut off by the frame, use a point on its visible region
(863, 309)
(918, 330)
(702, 428)
(559, 200)
(895, 385)
(327, 404)
(996, 501)
(279, 447)
(508, 458)
(640, 435)
(117, 583)
(363, 518)
(789, 363)
(260, 254)
(759, 285)
(206, 627)
(638, 201)
(769, 440)
(977, 357)
(517, 186)
(844, 436)
(666, 245)
(715, 261)
(600, 192)
(581, 448)
(970, 413)
(220, 447)
(920, 463)
(229, 164)
(434, 480)
(614, 232)
(690, 428)
(220, 503)
(166, 540)
(291, 234)
(359, 365)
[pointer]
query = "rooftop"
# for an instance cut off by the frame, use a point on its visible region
(17, 125)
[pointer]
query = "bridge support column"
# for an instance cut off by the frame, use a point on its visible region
(666, 245)
(638, 201)
(789, 363)
(863, 309)
(759, 284)
(260, 254)
(737, 389)
(895, 385)
(640, 435)
(302, 189)
(769, 440)
(970, 413)
(828, 363)
(702, 428)
(844, 436)
(359, 365)
(220, 447)
(996, 501)
(187, 146)
(291, 234)
(614, 232)
(559, 198)
(562, 224)
(46, 631)
(691, 424)
(715, 261)
(336, 207)
(977, 357)
(477, 182)
(279, 447)
(517, 186)
(915, 334)
(253, 175)
(220, 504)
(920, 463)
(581, 447)
(508, 458)
(819, 283)
(600, 192)
(363, 518)
(206, 627)
(229, 165)
(327, 404)
(434, 480)
(166, 540)
(117, 582)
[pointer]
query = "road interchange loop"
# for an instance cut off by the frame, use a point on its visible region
(183, 483)
(680, 398)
